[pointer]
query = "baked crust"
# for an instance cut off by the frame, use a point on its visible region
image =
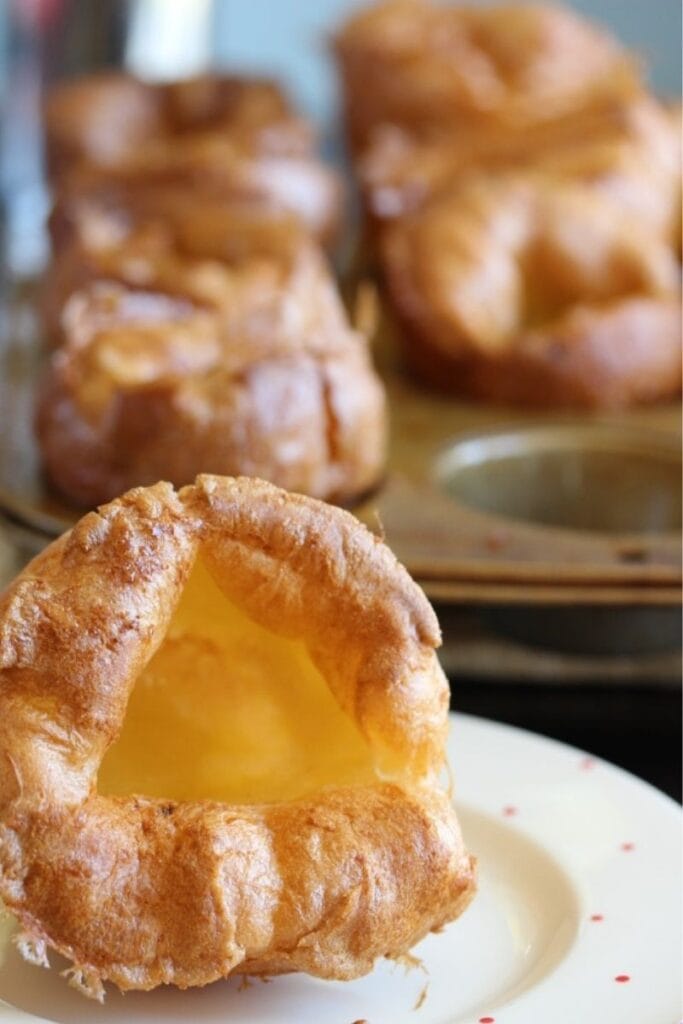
(144, 892)
(527, 289)
(167, 241)
(420, 65)
(241, 362)
(524, 193)
(105, 118)
(223, 138)
(627, 151)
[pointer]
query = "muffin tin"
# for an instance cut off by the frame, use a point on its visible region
(594, 478)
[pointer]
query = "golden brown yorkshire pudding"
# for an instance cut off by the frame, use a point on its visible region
(243, 362)
(102, 119)
(531, 290)
(113, 237)
(210, 169)
(627, 151)
(220, 139)
(421, 65)
(222, 722)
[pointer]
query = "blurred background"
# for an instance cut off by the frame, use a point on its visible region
(44, 40)
(628, 712)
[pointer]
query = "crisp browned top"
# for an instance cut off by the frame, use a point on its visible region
(627, 151)
(213, 343)
(146, 891)
(104, 118)
(95, 605)
(202, 294)
(503, 256)
(114, 138)
(517, 63)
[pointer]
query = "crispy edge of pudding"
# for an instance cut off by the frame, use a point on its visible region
(144, 891)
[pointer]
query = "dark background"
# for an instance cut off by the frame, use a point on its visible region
(636, 727)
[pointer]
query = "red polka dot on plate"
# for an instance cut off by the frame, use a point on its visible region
(587, 763)
(596, 917)
(622, 978)
(509, 811)
(627, 847)
(487, 1020)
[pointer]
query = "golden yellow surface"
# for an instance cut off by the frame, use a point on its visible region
(226, 710)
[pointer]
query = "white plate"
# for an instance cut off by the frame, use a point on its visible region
(577, 920)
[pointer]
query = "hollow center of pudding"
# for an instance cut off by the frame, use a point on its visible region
(227, 710)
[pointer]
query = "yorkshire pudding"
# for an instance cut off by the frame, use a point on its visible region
(222, 723)
(220, 138)
(242, 362)
(103, 119)
(210, 169)
(627, 151)
(420, 65)
(165, 242)
(536, 291)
